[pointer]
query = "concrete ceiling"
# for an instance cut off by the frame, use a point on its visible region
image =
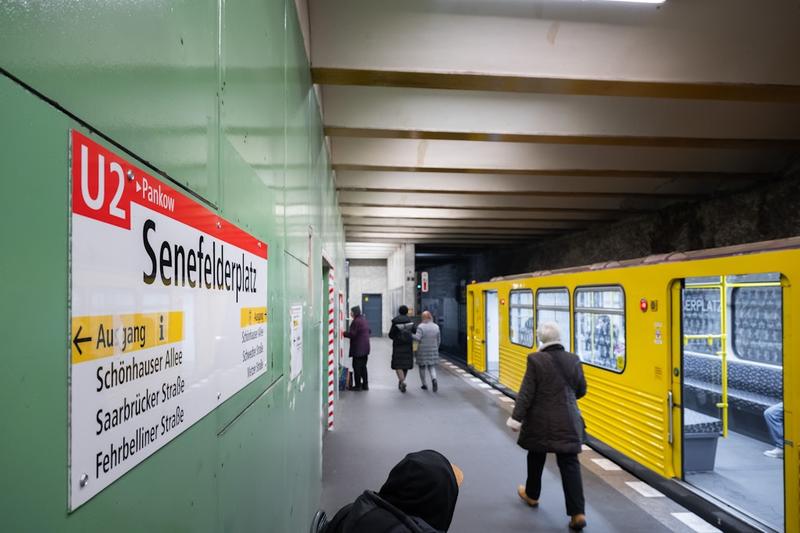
(467, 123)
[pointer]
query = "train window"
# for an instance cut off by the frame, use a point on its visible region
(701, 316)
(754, 317)
(757, 324)
(600, 327)
(552, 305)
(520, 323)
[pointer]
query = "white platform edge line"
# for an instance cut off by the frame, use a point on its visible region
(607, 465)
(695, 523)
(644, 489)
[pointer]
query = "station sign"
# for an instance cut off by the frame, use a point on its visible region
(424, 281)
(168, 315)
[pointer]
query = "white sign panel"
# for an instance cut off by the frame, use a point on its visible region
(424, 281)
(168, 315)
(296, 340)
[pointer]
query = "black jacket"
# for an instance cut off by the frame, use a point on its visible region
(402, 343)
(372, 514)
(419, 496)
(546, 403)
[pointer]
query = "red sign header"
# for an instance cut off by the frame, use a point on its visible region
(105, 185)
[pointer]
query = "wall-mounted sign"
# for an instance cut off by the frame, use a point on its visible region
(424, 281)
(296, 340)
(168, 315)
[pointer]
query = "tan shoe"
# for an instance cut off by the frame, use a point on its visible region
(577, 522)
(525, 498)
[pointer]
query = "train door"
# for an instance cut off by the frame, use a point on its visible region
(492, 329)
(731, 391)
(476, 356)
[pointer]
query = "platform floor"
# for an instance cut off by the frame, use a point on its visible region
(745, 478)
(465, 421)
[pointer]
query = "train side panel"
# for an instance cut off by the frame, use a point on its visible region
(628, 405)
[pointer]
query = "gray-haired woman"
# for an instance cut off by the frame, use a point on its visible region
(427, 354)
(546, 415)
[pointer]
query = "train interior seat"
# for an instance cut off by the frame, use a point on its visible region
(752, 388)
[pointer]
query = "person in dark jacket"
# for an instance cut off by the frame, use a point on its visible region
(547, 416)
(418, 497)
(359, 347)
(402, 335)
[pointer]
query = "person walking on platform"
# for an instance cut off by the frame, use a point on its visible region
(547, 416)
(402, 335)
(359, 347)
(427, 355)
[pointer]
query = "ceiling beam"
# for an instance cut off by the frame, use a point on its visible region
(594, 140)
(488, 156)
(561, 116)
(517, 193)
(504, 201)
(443, 239)
(498, 183)
(482, 213)
(594, 173)
(715, 49)
(746, 92)
(543, 223)
(401, 233)
(476, 228)
(515, 211)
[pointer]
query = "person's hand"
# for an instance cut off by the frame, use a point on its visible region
(513, 424)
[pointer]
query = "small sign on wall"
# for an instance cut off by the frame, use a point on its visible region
(424, 281)
(296, 340)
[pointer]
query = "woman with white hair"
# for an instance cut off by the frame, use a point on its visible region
(548, 420)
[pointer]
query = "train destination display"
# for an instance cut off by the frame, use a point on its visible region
(168, 315)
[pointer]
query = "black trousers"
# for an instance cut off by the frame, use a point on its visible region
(571, 480)
(360, 371)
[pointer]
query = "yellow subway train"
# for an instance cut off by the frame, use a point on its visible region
(691, 361)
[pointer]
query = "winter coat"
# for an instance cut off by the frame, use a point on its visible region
(370, 513)
(402, 335)
(359, 337)
(545, 404)
(429, 338)
(419, 496)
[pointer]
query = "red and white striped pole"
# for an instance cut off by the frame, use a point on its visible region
(342, 325)
(331, 349)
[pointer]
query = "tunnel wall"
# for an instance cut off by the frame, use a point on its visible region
(215, 97)
(766, 212)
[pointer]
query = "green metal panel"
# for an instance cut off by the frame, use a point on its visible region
(144, 73)
(234, 119)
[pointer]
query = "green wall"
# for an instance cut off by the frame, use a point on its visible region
(215, 95)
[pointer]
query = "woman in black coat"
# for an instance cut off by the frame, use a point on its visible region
(546, 415)
(401, 333)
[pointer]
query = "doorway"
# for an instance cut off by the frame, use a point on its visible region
(372, 308)
(492, 317)
(732, 388)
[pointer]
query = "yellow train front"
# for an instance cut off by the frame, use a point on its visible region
(683, 355)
